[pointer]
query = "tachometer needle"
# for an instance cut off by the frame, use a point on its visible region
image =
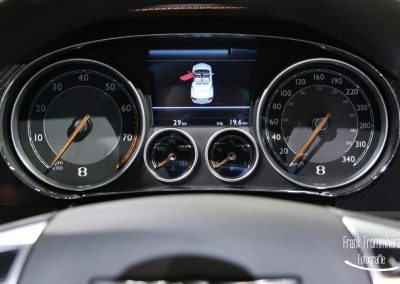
(310, 139)
(69, 141)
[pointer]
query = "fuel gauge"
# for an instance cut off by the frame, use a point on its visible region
(170, 155)
(231, 154)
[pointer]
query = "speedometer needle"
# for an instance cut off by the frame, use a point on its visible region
(309, 140)
(69, 141)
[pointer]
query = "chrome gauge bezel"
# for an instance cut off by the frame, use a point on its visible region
(137, 98)
(267, 95)
(151, 140)
(255, 148)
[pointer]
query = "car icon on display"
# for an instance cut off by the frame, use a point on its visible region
(202, 91)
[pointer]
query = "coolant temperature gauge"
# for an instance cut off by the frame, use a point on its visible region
(231, 154)
(170, 155)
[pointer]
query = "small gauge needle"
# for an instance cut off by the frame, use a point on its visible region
(70, 139)
(231, 157)
(309, 140)
(171, 157)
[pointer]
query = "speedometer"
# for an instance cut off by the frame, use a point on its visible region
(322, 123)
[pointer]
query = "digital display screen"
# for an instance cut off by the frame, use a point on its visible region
(201, 87)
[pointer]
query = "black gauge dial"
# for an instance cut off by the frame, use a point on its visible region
(77, 124)
(170, 155)
(231, 155)
(322, 123)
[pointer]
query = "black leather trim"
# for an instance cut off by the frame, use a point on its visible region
(371, 27)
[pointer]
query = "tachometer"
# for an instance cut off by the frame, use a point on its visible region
(77, 124)
(322, 123)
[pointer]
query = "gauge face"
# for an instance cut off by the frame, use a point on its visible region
(322, 123)
(170, 155)
(231, 155)
(77, 124)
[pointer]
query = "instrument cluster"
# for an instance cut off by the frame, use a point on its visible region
(206, 112)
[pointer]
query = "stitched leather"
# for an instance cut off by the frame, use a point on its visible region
(189, 7)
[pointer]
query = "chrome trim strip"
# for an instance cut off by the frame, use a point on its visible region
(260, 281)
(20, 238)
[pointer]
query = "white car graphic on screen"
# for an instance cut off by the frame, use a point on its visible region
(202, 91)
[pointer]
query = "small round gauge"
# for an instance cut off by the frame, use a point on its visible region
(322, 123)
(170, 155)
(77, 124)
(231, 154)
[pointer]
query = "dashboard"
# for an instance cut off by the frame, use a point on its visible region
(215, 140)
(199, 112)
